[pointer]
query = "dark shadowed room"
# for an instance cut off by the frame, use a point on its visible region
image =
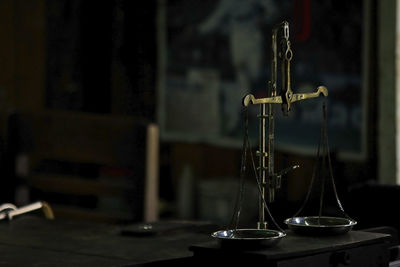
(187, 133)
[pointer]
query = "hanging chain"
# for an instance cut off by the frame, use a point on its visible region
(286, 56)
(330, 165)
(239, 200)
(325, 155)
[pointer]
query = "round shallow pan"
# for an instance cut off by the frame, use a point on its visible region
(248, 238)
(320, 225)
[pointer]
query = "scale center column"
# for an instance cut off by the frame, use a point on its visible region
(262, 154)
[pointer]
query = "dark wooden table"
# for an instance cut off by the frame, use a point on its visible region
(34, 241)
(355, 248)
(31, 241)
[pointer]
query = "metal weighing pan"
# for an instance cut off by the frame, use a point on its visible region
(320, 225)
(248, 238)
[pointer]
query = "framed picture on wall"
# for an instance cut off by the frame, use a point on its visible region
(211, 58)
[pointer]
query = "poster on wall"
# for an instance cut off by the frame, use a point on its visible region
(213, 53)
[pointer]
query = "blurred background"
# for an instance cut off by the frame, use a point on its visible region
(123, 111)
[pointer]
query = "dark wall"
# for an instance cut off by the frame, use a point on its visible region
(101, 57)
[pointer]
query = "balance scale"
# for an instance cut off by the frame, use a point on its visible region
(269, 181)
(313, 240)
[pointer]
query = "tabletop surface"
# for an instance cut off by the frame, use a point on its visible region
(294, 245)
(59, 243)
(41, 242)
